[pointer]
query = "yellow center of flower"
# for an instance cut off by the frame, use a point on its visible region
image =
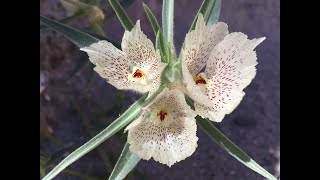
(138, 75)
(201, 81)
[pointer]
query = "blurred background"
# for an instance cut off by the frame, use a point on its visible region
(76, 103)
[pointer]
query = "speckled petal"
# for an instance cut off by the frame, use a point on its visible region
(200, 42)
(141, 53)
(230, 69)
(169, 142)
(110, 63)
(192, 90)
(118, 66)
(209, 112)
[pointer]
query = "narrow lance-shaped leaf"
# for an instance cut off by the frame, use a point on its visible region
(215, 13)
(113, 128)
(205, 10)
(152, 19)
(68, 18)
(157, 31)
(160, 45)
(231, 148)
(126, 162)
(79, 38)
(126, 3)
(76, 37)
(122, 15)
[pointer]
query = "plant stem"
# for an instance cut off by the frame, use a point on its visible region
(167, 21)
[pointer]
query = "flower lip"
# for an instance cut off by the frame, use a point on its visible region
(200, 79)
(162, 115)
(138, 73)
(165, 131)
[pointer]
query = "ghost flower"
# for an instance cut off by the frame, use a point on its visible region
(166, 129)
(136, 67)
(229, 61)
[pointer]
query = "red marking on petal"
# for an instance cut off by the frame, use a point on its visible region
(201, 81)
(162, 115)
(138, 74)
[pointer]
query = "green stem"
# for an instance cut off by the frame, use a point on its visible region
(125, 164)
(167, 21)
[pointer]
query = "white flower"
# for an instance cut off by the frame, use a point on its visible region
(166, 130)
(137, 67)
(229, 61)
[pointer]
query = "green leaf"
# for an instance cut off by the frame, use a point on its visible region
(126, 3)
(215, 13)
(79, 38)
(167, 21)
(157, 31)
(122, 15)
(126, 162)
(160, 45)
(113, 128)
(76, 35)
(204, 9)
(152, 19)
(231, 148)
(68, 18)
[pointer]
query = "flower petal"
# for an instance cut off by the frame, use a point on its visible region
(192, 90)
(110, 63)
(200, 42)
(156, 78)
(140, 52)
(230, 69)
(118, 66)
(209, 112)
(166, 143)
